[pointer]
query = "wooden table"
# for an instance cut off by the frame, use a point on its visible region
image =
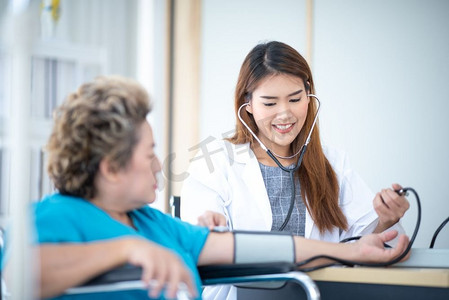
(367, 284)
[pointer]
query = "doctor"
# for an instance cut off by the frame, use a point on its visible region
(243, 188)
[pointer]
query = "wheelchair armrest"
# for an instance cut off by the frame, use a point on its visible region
(260, 272)
(236, 270)
(130, 272)
(123, 273)
(128, 276)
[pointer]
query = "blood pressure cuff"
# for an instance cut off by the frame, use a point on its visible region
(261, 247)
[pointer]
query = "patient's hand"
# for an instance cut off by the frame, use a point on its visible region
(70, 264)
(211, 219)
(370, 248)
(160, 266)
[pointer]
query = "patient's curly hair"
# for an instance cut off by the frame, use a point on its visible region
(98, 121)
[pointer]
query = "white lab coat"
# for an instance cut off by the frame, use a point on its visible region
(228, 180)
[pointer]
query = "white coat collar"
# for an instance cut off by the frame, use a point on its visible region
(240, 153)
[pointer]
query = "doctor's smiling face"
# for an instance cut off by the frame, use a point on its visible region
(279, 107)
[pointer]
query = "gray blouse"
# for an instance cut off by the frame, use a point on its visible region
(278, 185)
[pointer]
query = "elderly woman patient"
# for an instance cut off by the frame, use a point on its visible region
(102, 162)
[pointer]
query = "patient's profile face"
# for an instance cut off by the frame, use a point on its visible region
(138, 178)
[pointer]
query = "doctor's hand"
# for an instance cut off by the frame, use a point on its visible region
(390, 207)
(211, 219)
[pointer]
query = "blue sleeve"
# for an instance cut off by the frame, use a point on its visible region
(191, 237)
(54, 225)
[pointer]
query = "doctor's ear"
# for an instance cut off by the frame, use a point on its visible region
(249, 108)
(248, 100)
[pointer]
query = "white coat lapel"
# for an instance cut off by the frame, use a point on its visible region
(252, 177)
(309, 225)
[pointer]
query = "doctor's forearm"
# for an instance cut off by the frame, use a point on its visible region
(381, 227)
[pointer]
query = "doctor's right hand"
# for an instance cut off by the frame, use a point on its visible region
(211, 219)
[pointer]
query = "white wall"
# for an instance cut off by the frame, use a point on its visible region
(110, 24)
(156, 77)
(230, 29)
(380, 69)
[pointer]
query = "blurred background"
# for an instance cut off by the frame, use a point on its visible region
(380, 68)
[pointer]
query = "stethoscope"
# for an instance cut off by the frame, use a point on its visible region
(273, 156)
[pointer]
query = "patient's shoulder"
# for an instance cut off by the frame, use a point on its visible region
(58, 204)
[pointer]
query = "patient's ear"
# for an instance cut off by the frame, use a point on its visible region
(108, 170)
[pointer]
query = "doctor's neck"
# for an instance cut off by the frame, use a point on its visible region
(266, 160)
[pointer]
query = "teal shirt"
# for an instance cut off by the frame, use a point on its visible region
(66, 219)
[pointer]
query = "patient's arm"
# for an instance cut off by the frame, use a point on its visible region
(66, 265)
(219, 249)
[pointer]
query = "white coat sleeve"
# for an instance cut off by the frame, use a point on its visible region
(205, 188)
(356, 201)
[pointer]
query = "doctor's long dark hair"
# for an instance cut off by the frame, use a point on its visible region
(319, 184)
